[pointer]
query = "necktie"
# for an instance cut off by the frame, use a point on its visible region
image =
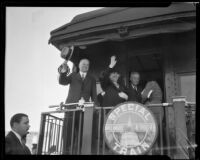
(82, 84)
(24, 146)
(82, 76)
(134, 87)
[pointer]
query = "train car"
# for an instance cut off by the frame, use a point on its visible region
(158, 42)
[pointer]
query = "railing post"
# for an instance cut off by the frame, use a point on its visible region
(180, 128)
(170, 130)
(41, 134)
(87, 131)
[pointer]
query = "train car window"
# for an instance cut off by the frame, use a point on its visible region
(188, 86)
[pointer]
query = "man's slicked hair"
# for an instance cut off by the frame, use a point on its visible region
(84, 59)
(135, 72)
(17, 118)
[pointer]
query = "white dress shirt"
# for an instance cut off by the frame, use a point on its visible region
(83, 74)
(134, 87)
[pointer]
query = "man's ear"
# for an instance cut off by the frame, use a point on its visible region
(15, 124)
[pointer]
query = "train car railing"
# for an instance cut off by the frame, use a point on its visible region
(179, 128)
(190, 111)
(99, 144)
(160, 145)
(85, 134)
(50, 136)
(64, 135)
(56, 137)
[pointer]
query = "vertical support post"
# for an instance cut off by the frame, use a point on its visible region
(169, 91)
(79, 132)
(87, 131)
(104, 116)
(99, 132)
(181, 130)
(41, 134)
(170, 131)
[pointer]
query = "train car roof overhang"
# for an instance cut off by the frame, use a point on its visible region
(119, 24)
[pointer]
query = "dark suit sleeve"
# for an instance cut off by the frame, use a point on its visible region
(8, 146)
(125, 89)
(94, 91)
(65, 79)
(27, 150)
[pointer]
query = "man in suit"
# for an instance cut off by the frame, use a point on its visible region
(14, 140)
(134, 91)
(82, 88)
(82, 84)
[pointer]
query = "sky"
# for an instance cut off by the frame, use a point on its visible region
(31, 83)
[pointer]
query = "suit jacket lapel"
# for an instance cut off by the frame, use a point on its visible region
(85, 81)
(17, 141)
(26, 149)
(79, 76)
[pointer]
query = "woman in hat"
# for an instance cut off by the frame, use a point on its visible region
(112, 84)
(114, 92)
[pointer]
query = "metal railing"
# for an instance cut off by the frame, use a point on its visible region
(50, 138)
(53, 135)
(190, 111)
(99, 145)
(62, 134)
(79, 130)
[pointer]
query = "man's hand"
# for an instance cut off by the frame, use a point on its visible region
(123, 95)
(81, 102)
(64, 68)
(103, 93)
(112, 61)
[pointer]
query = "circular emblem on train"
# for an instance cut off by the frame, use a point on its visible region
(130, 129)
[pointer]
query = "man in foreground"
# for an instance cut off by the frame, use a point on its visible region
(14, 140)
